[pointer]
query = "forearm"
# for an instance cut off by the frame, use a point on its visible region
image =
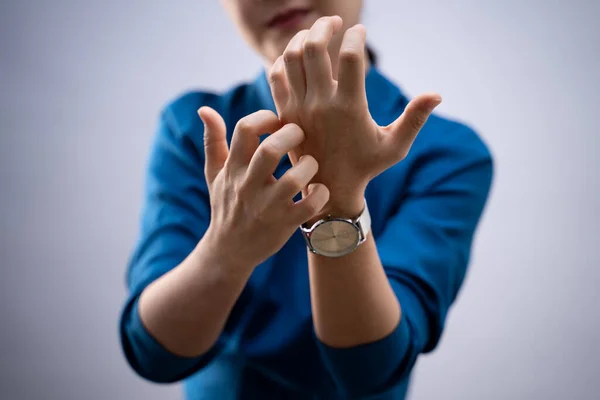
(357, 316)
(186, 309)
(352, 300)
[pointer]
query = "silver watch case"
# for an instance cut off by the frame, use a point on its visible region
(337, 237)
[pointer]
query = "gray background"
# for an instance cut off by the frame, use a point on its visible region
(82, 83)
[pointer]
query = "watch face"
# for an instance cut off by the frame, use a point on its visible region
(335, 238)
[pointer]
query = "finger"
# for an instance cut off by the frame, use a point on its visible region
(293, 156)
(215, 142)
(279, 86)
(272, 149)
(296, 178)
(317, 62)
(294, 69)
(351, 69)
(401, 133)
(311, 205)
(246, 134)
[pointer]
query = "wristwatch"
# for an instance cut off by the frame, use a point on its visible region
(336, 237)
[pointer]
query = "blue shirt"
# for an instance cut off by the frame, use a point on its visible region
(424, 214)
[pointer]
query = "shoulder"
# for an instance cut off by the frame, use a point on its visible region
(443, 135)
(439, 135)
(451, 133)
(180, 112)
(453, 154)
(447, 150)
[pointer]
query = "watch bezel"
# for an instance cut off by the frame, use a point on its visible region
(309, 231)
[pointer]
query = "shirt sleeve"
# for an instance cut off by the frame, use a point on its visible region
(175, 216)
(424, 249)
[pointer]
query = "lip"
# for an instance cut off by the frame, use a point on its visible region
(288, 17)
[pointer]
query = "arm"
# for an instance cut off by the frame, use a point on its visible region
(171, 272)
(172, 328)
(183, 291)
(346, 290)
(375, 310)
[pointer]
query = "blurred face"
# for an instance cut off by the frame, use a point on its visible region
(269, 25)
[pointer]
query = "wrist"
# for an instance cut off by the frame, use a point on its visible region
(348, 205)
(217, 250)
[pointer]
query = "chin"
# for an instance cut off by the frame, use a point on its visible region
(278, 42)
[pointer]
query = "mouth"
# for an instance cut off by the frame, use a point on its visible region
(288, 18)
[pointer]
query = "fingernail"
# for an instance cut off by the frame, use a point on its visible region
(435, 102)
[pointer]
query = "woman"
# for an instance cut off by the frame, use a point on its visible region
(322, 275)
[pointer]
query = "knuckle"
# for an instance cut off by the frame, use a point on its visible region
(269, 150)
(208, 141)
(312, 207)
(292, 183)
(342, 106)
(418, 120)
(275, 76)
(267, 115)
(292, 56)
(242, 189)
(243, 126)
(261, 214)
(351, 56)
(323, 20)
(317, 109)
(314, 48)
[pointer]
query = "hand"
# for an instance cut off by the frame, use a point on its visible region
(252, 214)
(349, 145)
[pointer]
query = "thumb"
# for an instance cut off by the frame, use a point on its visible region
(401, 133)
(215, 142)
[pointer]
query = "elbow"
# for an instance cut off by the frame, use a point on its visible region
(386, 381)
(375, 368)
(363, 389)
(148, 358)
(161, 366)
(149, 370)
(141, 358)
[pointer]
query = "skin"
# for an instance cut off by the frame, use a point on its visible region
(186, 309)
(323, 124)
(351, 297)
(250, 18)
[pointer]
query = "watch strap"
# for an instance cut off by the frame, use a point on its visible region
(364, 222)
